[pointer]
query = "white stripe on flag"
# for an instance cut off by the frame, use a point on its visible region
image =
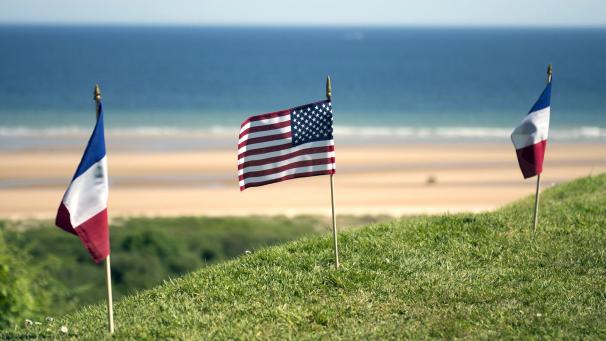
(87, 194)
(323, 143)
(271, 143)
(264, 133)
(305, 157)
(287, 172)
(266, 121)
(533, 129)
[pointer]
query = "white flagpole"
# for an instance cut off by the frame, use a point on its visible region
(108, 268)
(110, 303)
(332, 191)
(536, 194)
(535, 215)
(334, 223)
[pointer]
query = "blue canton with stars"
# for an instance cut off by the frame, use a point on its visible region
(311, 122)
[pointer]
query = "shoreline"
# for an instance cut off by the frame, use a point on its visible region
(164, 139)
(381, 179)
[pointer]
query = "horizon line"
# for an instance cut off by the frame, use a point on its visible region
(290, 25)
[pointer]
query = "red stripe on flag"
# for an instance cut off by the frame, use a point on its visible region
(288, 177)
(264, 128)
(306, 163)
(94, 234)
(63, 219)
(264, 139)
(265, 150)
(316, 150)
(531, 158)
(266, 116)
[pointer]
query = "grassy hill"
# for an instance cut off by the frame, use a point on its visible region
(45, 271)
(464, 276)
(145, 251)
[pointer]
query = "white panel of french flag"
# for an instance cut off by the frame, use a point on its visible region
(530, 136)
(83, 210)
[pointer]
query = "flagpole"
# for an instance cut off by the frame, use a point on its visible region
(108, 268)
(332, 191)
(536, 204)
(110, 303)
(538, 189)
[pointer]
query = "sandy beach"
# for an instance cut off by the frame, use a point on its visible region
(394, 180)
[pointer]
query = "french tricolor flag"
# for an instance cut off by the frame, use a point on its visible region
(530, 137)
(83, 210)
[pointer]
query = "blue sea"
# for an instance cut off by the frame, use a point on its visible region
(389, 84)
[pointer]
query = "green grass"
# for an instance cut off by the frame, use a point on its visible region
(145, 251)
(478, 276)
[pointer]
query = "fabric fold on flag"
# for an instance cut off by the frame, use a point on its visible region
(287, 144)
(530, 136)
(83, 210)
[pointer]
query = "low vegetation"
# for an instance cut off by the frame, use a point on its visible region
(452, 276)
(46, 272)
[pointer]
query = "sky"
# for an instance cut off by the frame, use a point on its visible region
(524, 13)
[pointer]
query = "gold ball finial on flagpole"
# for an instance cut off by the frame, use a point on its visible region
(97, 93)
(549, 73)
(328, 88)
(97, 98)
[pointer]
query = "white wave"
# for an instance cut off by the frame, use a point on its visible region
(149, 131)
(21, 131)
(212, 131)
(577, 133)
(582, 132)
(345, 132)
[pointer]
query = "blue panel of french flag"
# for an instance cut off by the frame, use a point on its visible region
(83, 210)
(530, 136)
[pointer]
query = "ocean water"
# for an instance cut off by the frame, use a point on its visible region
(389, 84)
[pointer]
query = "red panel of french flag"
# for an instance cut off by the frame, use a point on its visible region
(530, 136)
(83, 210)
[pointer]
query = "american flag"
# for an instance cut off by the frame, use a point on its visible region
(286, 144)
